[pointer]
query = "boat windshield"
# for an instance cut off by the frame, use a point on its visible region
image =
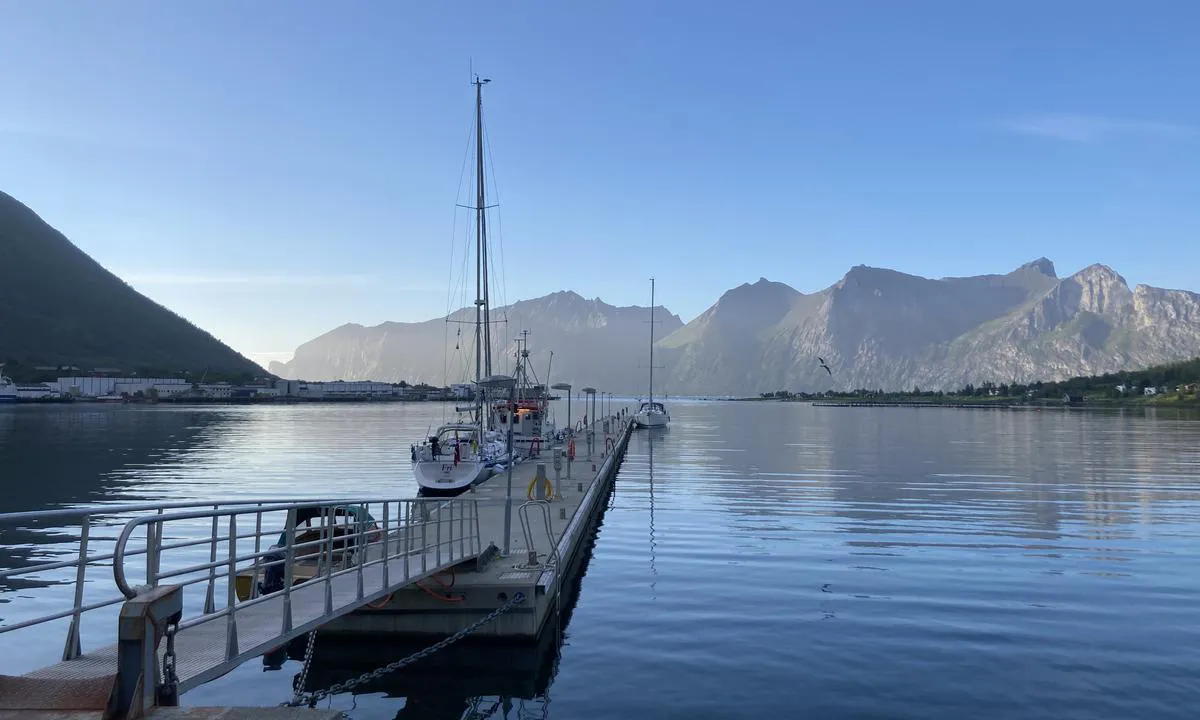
(652, 408)
(461, 433)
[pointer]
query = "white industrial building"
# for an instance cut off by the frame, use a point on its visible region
(102, 386)
(335, 389)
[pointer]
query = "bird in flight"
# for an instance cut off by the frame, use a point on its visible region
(825, 366)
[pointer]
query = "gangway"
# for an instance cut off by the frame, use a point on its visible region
(267, 571)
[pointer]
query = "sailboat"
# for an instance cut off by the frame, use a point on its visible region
(651, 414)
(461, 454)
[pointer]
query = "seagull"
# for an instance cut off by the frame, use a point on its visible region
(825, 366)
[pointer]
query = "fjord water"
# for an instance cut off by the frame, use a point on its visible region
(756, 559)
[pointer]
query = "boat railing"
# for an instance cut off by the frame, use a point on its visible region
(259, 546)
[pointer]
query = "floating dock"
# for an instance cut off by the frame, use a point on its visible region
(545, 537)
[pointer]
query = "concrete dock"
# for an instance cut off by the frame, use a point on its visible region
(556, 527)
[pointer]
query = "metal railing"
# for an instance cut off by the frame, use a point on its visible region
(241, 553)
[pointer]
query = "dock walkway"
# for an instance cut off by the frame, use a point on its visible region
(544, 537)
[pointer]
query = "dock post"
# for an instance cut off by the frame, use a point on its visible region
(558, 463)
(141, 626)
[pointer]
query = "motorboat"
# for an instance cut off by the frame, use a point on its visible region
(322, 534)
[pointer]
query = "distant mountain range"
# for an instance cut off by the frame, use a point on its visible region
(875, 328)
(593, 343)
(60, 307)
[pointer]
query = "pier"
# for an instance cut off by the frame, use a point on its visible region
(195, 589)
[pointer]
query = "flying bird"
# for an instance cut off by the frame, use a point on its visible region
(825, 366)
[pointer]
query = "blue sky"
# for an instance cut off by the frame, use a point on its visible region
(273, 169)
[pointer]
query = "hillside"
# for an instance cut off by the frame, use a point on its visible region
(60, 307)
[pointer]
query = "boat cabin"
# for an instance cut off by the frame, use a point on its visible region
(526, 417)
(459, 441)
(652, 408)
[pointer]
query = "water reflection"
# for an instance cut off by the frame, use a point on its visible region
(762, 560)
(56, 455)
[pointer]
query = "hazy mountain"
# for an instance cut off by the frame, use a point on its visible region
(884, 329)
(593, 343)
(60, 307)
(876, 328)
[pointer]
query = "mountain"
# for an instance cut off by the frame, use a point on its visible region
(876, 328)
(884, 329)
(60, 307)
(594, 343)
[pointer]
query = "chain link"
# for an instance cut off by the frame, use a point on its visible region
(298, 691)
(314, 697)
(168, 692)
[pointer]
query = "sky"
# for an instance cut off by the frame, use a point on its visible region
(274, 169)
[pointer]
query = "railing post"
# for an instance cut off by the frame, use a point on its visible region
(210, 604)
(408, 534)
(257, 550)
(153, 547)
(289, 558)
(478, 541)
(328, 518)
(73, 648)
(424, 540)
(361, 540)
(140, 627)
(437, 533)
(386, 556)
(231, 635)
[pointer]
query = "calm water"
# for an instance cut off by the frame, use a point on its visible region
(756, 560)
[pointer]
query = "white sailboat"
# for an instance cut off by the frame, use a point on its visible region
(459, 455)
(651, 414)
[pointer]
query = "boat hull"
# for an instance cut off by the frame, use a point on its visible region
(447, 477)
(650, 420)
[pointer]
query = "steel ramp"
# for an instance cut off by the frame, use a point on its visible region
(202, 648)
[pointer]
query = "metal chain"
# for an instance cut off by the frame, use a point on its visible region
(316, 696)
(298, 691)
(168, 692)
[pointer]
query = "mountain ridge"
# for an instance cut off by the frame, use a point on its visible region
(877, 327)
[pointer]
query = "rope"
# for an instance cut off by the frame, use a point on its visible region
(437, 596)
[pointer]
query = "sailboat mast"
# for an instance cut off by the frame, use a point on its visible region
(651, 341)
(482, 328)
